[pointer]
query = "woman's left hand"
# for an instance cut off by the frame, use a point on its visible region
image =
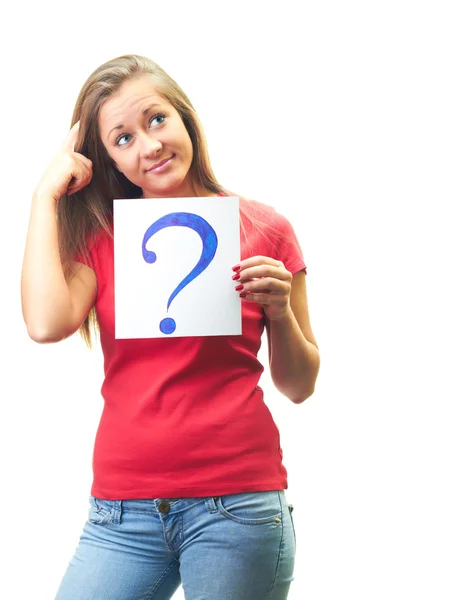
(267, 282)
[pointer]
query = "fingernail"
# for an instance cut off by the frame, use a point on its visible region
(236, 268)
(236, 277)
(239, 288)
(243, 295)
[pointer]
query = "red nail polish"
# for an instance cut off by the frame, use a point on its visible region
(236, 277)
(239, 288)
(243, 295)
(236, 268)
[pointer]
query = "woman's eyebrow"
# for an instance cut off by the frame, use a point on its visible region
(150, 107)
(143, 113)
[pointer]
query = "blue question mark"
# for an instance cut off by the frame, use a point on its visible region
(210, 244)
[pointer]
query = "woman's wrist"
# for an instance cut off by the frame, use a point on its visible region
(44, 199)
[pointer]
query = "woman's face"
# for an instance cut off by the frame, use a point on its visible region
(147, 140)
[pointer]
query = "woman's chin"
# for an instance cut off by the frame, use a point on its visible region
(176, 190)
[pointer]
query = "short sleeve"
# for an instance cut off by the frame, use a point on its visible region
(288, 249)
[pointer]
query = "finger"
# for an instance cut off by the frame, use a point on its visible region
(266, 299)
(87, 163)
(267, 285)
(262, 271)
(258, 260)
(81, 168)
(70, 140)
(77, 185)
(81, 177)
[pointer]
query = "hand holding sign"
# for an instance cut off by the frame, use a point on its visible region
(267, 282)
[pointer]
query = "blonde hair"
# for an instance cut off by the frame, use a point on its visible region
(84, 214)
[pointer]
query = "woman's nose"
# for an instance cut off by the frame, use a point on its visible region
(149, 146)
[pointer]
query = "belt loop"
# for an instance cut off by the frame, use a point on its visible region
(117, 512)
(210, 503)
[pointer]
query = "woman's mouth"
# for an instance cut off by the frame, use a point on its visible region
(161, 166)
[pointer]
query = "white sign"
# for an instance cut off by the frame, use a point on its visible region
(173, 260)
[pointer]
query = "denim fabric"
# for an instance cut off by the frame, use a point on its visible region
(232, 547)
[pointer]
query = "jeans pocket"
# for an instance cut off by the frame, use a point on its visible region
(251, 508)
(100, 511)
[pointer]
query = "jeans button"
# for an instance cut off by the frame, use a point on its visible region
(164, 507)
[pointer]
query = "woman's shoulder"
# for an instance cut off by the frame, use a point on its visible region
(258, 210)
(248, 205)
(266, 214)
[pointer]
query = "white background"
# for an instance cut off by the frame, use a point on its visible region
(351, 119)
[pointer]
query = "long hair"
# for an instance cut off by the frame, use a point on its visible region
(81, 216)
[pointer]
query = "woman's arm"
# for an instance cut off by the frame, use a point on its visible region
(293, 353)
(52, 308)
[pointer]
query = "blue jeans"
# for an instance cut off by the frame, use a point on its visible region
(232, 547)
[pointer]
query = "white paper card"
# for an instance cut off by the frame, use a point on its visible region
(158, 242)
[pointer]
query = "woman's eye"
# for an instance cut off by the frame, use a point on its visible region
(120, 138)
(158, 119)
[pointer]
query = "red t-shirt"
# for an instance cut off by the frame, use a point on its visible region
(184, 417)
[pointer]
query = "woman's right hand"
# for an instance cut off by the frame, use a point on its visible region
(68, 171)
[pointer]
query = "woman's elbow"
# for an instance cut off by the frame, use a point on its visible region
(44, 336)
(299, 399)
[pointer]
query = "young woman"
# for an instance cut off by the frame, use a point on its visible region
(188, 483)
